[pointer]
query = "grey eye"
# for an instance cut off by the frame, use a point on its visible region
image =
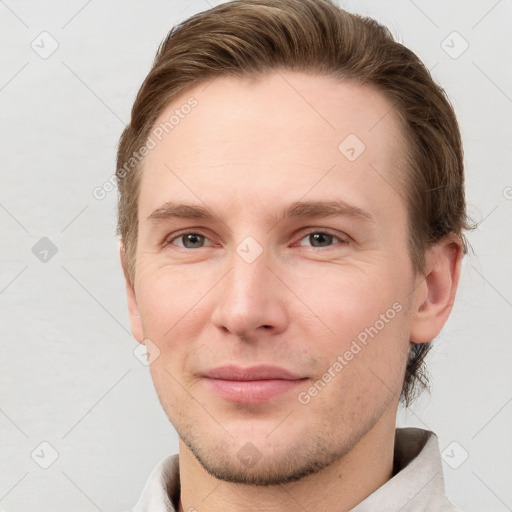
(192, 240)
(321, 239)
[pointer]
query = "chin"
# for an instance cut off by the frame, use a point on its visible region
(268, 467)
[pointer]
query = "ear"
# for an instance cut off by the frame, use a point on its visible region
(133, 308)
(434, 297)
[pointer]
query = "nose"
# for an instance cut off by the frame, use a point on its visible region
(251, 300)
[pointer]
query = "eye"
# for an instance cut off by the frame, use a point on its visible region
(189, 240)
(194, 240)
(322, 239)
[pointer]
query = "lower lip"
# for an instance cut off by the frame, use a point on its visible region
(252, 391)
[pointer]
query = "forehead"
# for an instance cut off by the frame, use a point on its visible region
(284, 131)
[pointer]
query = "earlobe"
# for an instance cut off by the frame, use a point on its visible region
(133, 308)
(434, 298)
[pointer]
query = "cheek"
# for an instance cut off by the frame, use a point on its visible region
(169, 301)
(362, 315)
(361, 374)
(346, 299)
(174, 314)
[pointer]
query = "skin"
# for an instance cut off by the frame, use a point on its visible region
(247, 151)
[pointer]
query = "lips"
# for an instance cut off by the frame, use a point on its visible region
(261, 372)
(252, 385)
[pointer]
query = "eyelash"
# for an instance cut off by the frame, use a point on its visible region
(168, 240)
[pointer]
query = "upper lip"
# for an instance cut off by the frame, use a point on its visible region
(260, 372)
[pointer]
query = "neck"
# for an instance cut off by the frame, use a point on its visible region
(339, 487)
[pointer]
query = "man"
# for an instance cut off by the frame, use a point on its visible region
(291, 212)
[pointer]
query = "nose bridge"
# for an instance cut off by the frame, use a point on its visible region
(248, 276)
(249, 297)
(249, 261)
(248, 282)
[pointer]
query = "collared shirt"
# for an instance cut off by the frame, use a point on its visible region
(417, 484)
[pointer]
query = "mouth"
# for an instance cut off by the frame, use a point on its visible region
(253, 385)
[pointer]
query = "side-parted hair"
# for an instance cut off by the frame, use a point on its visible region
(249, 38)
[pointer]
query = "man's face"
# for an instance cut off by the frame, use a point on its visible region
(249, 286)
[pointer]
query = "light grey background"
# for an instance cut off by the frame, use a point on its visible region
(68, 374)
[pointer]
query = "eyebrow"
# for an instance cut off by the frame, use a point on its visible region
(298, 209)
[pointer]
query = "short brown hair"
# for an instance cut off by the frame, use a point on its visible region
(251, 37)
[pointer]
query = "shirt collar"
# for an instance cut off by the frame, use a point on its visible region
(417, 483)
